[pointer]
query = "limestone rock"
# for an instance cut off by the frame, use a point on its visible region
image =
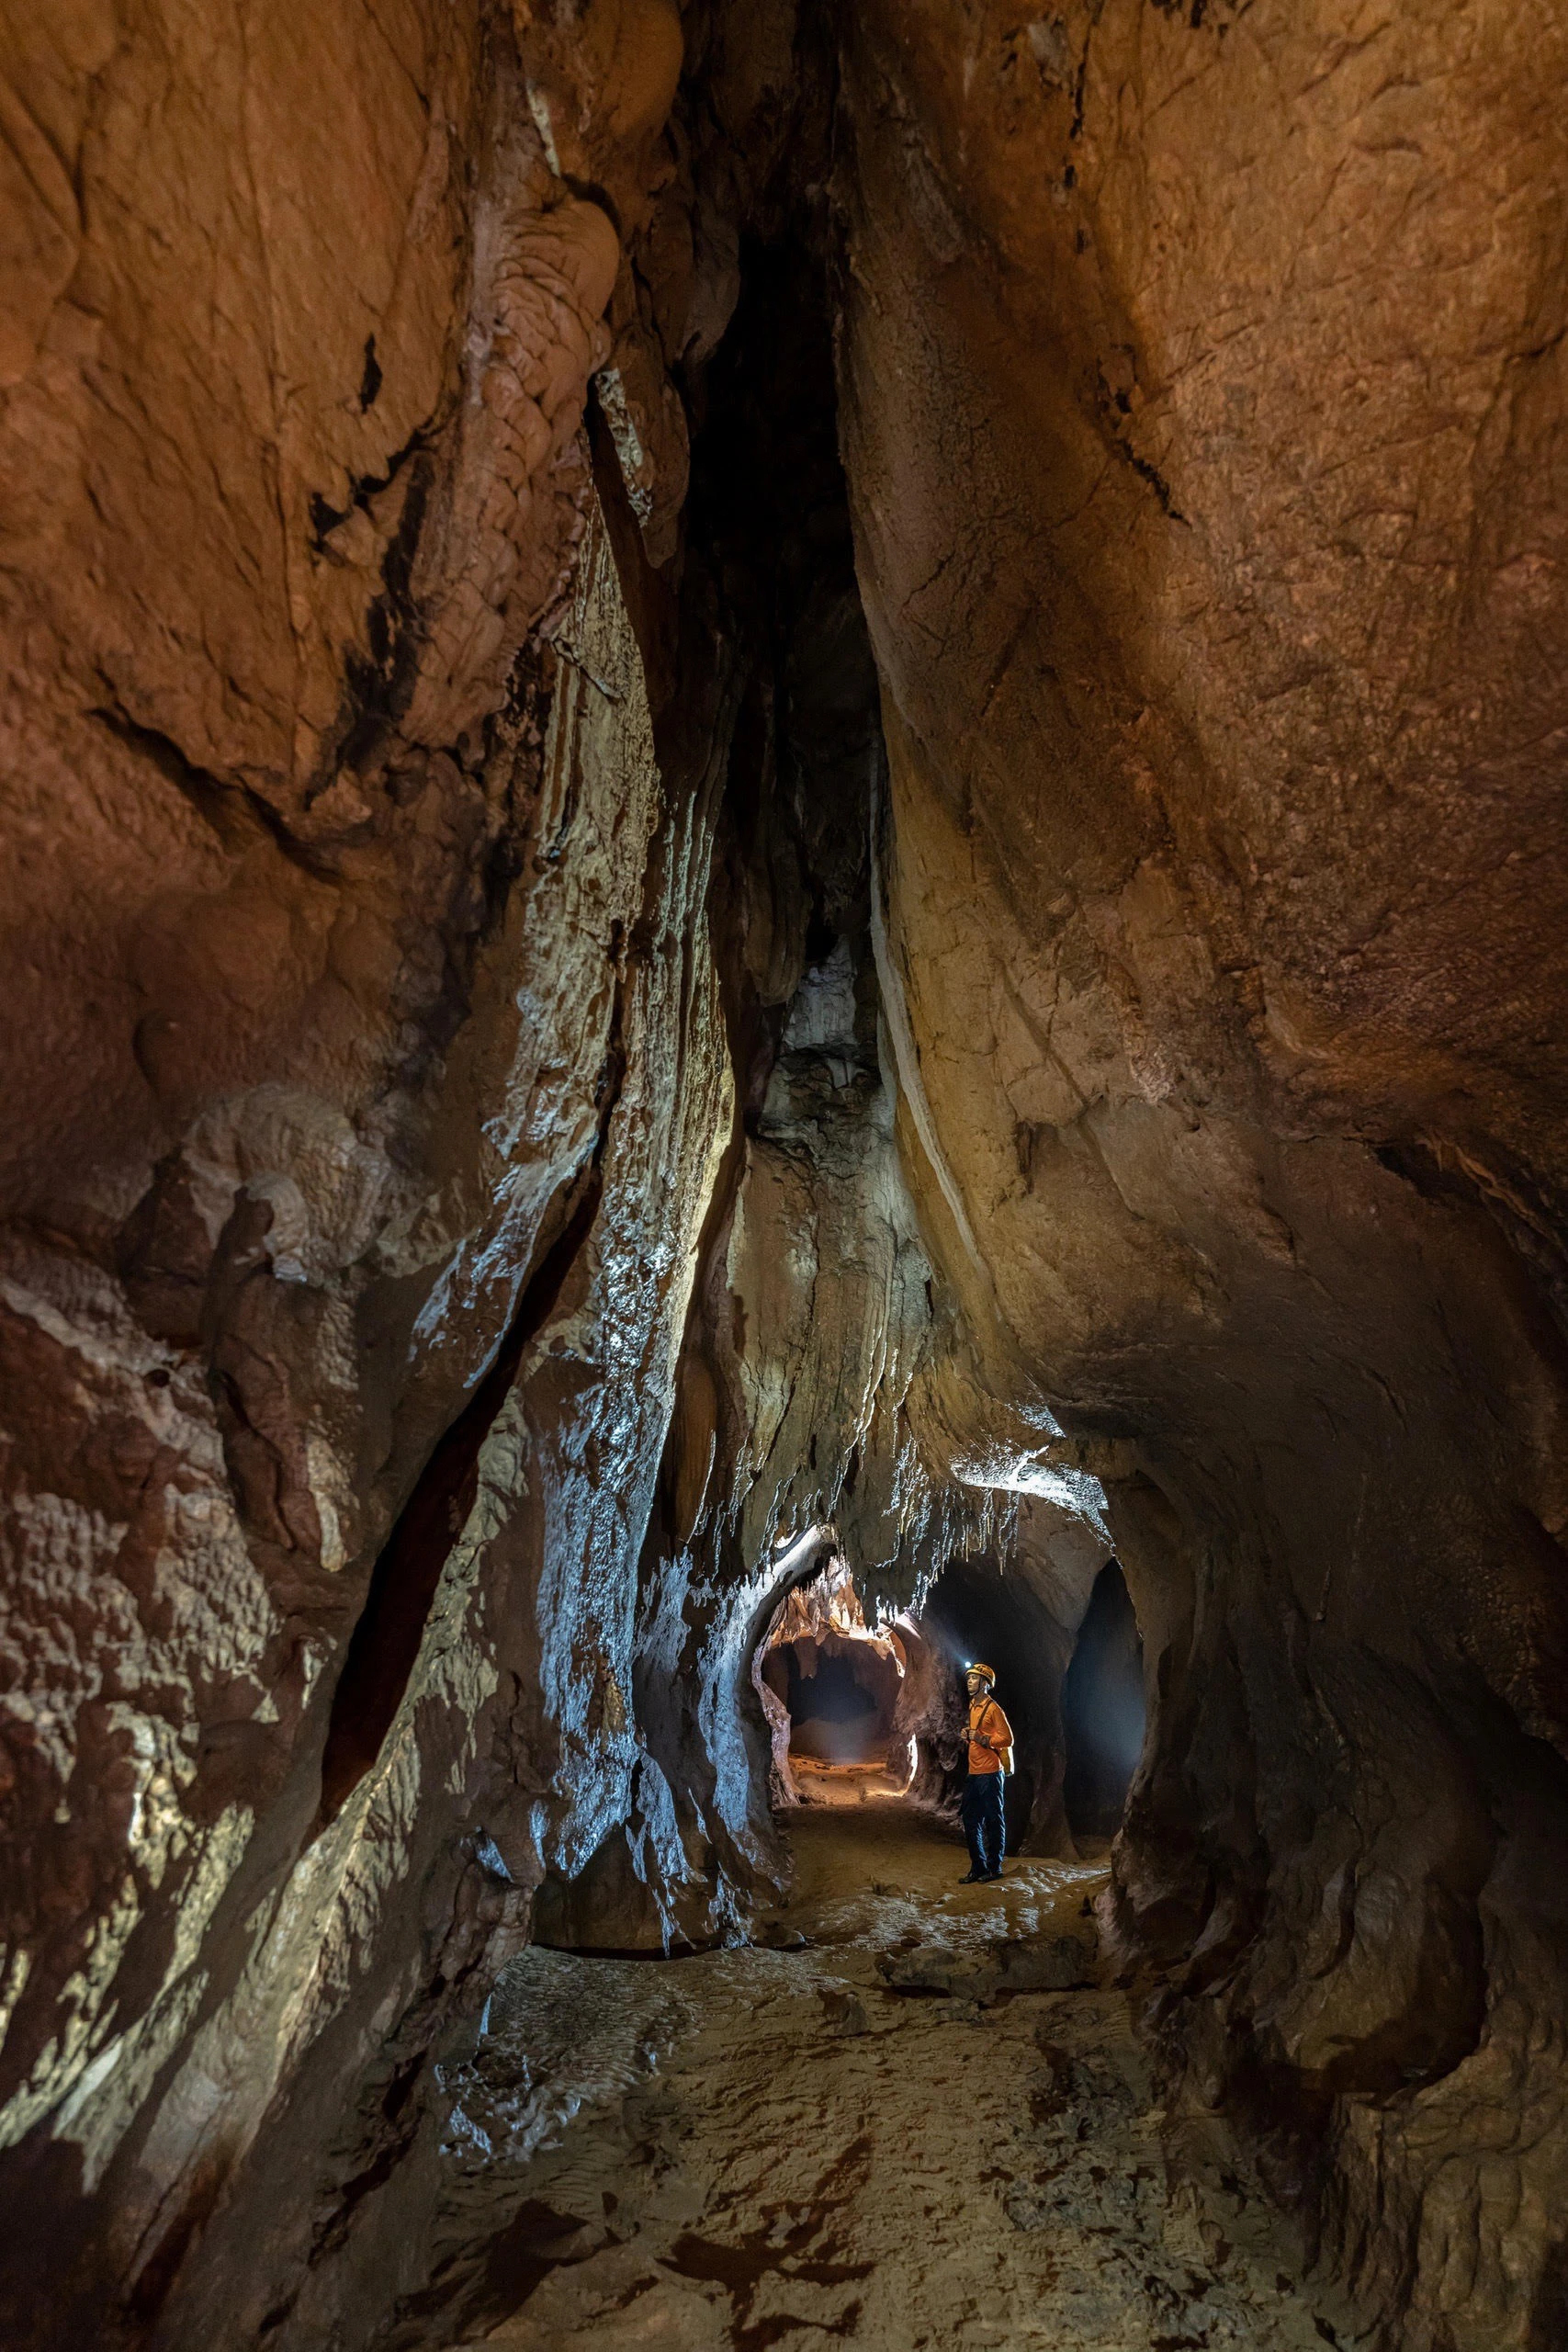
(782, 787)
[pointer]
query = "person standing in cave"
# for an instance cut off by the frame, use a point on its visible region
(991, 1761)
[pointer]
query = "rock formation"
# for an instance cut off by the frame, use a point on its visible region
(782, 782)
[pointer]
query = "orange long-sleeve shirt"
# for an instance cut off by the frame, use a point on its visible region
(985, 1715)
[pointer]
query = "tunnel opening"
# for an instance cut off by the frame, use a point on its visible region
(1103, 1710)
(856, 1710)
(840, 1699)
(832, 1688)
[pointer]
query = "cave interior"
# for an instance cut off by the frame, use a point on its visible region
(788, 901)
(884, 1707)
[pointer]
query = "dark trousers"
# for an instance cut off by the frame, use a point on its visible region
(980, 1810)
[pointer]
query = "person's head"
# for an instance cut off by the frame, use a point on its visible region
(980, 1681)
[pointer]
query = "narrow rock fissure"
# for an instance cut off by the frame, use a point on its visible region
(386, 1635)
(390, 1625)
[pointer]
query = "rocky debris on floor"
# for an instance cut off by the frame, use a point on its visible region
(754, 2147)
(1010, 1967)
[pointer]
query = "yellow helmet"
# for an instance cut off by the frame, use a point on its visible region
(975, 1666)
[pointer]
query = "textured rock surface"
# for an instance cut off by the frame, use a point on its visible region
(762, 2146)
(348, 911)
(927, 930)
(1208, 526)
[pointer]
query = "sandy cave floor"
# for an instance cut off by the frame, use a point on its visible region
(780, 2146)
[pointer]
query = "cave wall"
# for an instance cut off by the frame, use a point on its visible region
(933, 916)
(378, 1140)
(368, 1083)
(1208, 514)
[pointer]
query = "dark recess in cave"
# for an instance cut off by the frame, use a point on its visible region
(769, 519)
(1103, 1709)
(974, 1610)
(841, 1698)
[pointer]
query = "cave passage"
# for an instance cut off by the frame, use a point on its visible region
(832, 1687)
(1103, 1712)
(839, 2070)
(1074, 1699)
(848, 1701)
(841, 1698)
(786, 809)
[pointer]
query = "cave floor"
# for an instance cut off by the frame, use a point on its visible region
(892, 2134)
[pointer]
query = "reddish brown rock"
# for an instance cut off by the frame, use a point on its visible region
(1201, 397)
(930, 926)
